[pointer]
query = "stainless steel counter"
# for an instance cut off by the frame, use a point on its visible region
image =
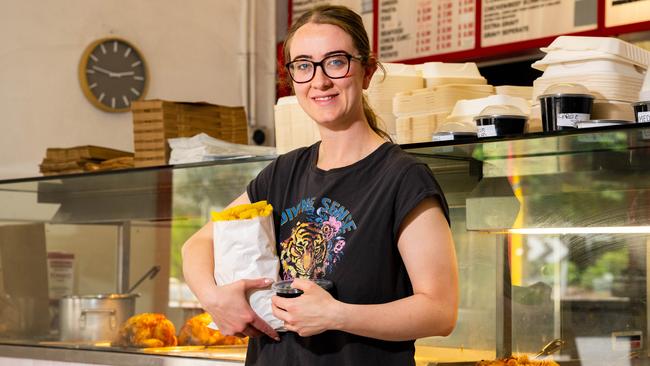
(105, 357)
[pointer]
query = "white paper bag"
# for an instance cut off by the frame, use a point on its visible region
(245, 249)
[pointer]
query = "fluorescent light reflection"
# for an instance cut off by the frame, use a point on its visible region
(582, 230)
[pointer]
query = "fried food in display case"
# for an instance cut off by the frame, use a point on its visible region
(196, 332)
(147, 330)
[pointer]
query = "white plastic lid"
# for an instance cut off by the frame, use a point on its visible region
(466, 109)
(566, 89)
(502, 110)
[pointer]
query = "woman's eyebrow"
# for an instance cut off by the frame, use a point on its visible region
(330, 53)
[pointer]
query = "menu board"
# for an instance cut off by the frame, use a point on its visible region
(508, 21)
(622, 12)
(411, 29)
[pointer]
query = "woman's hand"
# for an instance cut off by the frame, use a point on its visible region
(232, 313)
(311, 313)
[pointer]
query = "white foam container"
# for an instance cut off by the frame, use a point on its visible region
(449, 70)
(644, 94)
(607, 45)
(593, 67)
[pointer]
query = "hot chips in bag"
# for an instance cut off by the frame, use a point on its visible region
(244, 248)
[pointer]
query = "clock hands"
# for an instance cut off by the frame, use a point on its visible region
(111, 73)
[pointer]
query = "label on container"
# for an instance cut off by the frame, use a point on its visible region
(486, 131)
(643, 117)
(570, 119)
(442, 137)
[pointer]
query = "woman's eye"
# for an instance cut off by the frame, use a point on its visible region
(302, 66)
(336, 62)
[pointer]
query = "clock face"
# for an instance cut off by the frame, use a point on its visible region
(113, 74)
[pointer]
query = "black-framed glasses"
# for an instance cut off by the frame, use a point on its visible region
(335, 67)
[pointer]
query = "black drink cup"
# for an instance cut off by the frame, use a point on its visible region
(562, 111)
(642, 111)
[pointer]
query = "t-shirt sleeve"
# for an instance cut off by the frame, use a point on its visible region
(417, 184)
(259, 188)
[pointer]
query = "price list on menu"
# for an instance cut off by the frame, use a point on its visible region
(411, 29)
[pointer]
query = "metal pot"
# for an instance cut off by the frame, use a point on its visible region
(94, 318)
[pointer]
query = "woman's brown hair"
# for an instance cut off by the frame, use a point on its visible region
(352, 24)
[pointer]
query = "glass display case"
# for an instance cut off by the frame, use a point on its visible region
(551, 236)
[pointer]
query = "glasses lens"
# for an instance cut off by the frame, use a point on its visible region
(301, 70)
(336, 66)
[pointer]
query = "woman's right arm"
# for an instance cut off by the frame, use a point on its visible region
(227, 304)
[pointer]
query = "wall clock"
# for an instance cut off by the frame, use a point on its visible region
(112, 74)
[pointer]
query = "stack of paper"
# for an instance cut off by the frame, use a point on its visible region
(202, 147)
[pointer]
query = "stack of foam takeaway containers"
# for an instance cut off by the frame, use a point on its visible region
(293, 126)
(420, 112)
(611, 69)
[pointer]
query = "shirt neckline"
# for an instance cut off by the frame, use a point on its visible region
(353, 166)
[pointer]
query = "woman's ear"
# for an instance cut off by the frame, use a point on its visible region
(369, 71)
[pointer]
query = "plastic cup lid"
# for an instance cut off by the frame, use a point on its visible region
(566, 90)
(284, 287)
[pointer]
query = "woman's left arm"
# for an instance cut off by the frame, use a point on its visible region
(427, 249)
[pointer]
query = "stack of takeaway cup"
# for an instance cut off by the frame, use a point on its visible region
(293, 127)
(642, 107)
(610, 69)
(462, 117)
(383, 87)
(419, 112)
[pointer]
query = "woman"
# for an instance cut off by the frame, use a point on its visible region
(352, 208)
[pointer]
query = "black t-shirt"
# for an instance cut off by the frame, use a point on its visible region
(342, 225)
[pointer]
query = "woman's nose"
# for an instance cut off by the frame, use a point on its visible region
(320, 80)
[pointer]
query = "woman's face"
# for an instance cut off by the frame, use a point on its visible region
(330, 102)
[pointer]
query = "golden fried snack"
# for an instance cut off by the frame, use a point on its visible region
(148, 330)
(195, 332)
(516, 361)
(242, 212)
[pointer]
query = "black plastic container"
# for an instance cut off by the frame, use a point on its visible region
(284, 289)
(500, 125)
(562, 111)
(642, 111)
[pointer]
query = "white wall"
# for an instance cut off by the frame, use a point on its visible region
(195, 49)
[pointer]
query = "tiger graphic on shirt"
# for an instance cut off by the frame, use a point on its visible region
(314, 241)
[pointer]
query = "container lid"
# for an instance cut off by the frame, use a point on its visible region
(496, 116)
(502, 111)
(102, 296)
(284, 287)
(566, 90)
